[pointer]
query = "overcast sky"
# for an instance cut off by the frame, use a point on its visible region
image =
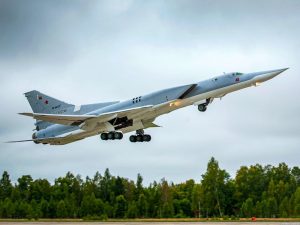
(92, 51)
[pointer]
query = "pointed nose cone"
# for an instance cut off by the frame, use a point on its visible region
(275, 73)
(267, 75)
(280, 70)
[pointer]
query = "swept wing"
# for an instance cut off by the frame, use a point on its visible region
(75, 120)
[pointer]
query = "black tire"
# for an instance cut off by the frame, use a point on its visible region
(202, 108)
(147, 137)
(104, 136)
(111, 136)
(139, 138)
(132, 138)
(118, 135)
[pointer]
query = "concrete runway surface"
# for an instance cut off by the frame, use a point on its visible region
(147, 223)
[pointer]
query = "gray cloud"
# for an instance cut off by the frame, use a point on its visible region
(84, 52)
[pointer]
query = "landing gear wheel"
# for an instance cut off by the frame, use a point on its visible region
(111, 136)
(202, 108)
(118, 135)
(139, 138)
(147, 138)
(104, 136)
(132, 138)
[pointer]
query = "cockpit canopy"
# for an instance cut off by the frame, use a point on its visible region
(237, 74)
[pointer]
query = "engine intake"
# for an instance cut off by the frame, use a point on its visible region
(34, 137)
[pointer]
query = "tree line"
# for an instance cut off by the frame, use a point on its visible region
(261, 191)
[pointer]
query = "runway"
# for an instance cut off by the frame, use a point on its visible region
(147, 223)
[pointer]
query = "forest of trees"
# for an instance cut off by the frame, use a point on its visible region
(261, 191)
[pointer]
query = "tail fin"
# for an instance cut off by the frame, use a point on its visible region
(41, 103)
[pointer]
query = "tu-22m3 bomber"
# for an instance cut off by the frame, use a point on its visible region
(59, 123)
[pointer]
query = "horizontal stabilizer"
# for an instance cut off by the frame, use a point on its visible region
(20, 141)
(37, 140)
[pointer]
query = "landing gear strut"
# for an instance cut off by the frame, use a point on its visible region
(140, 137)
(111, 136)
(202, 107)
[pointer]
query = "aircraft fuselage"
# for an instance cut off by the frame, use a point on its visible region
(161, 102)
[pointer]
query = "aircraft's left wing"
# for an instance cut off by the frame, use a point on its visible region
(75, 120)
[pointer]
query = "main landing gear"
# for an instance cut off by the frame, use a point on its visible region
(140, 137)
(111, 136)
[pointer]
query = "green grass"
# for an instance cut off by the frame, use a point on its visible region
(160, 220)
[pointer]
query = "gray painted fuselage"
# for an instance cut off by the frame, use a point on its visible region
(164, 101)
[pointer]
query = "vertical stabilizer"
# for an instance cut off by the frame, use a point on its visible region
(41, 103)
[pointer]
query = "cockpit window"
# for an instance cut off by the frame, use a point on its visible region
(237, 74)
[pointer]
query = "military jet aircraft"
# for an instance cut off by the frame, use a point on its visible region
(59, 123)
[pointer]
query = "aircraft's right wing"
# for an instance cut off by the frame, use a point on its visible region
(130, 113)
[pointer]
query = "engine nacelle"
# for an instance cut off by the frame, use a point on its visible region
(34, 137)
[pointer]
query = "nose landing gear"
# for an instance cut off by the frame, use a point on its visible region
(203, 107)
